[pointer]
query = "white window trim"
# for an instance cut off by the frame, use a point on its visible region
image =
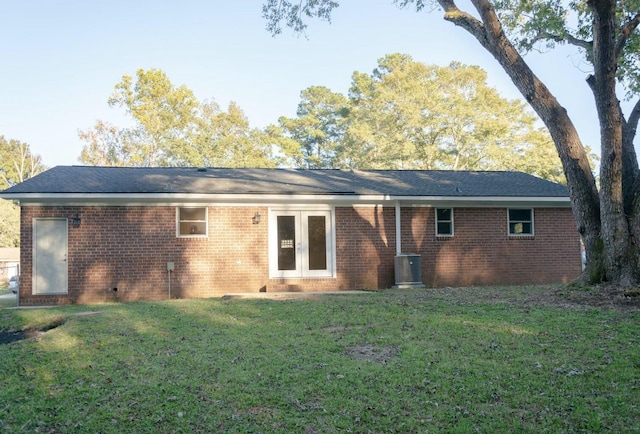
(533, 230)
(206, 222)
(438, 221)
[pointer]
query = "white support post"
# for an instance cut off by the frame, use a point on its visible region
(398, 230)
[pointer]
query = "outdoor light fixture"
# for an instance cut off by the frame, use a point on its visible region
(256, 218)
(75, 221)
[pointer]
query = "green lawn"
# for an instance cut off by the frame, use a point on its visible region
(7, 302)
(457, 360)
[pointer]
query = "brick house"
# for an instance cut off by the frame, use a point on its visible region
(91, 234)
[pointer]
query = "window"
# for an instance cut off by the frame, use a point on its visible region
(520, 222)
(444, 222)
(192, 222)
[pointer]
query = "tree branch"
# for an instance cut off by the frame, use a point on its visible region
(587, 45)
(630, 170)
(464, 20)
(634, 117)
(625, 32)
(569, 39)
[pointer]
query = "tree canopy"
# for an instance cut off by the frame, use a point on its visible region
(408, 115)
(17, 164)
(172, 128)
(606, 33)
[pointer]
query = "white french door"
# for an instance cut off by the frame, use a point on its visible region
(301, 243)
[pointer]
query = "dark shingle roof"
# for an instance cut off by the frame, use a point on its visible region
(119, 180)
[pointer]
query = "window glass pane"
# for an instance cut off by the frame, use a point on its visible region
(193, 214)
(317, 243)
(286, 242)
(444, 228)
(190, 228)
(444, 214)
(520, 215)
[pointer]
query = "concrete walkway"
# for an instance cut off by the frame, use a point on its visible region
(311, 295)
(287, 295)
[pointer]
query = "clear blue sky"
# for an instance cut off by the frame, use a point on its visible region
(61, 60)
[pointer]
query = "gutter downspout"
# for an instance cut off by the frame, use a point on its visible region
(398, 230)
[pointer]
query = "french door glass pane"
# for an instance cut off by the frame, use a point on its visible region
(286, 242)
(317, 243)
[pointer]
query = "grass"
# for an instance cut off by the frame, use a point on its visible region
(414, 361)
(6, 302)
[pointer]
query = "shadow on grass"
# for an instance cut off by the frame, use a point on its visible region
(390, 361)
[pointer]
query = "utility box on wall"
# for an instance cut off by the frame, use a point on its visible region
(408, 271)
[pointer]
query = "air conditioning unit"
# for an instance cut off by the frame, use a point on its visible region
(408, 271)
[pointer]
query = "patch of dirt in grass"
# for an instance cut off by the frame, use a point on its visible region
(602, 296)
(6, 337)
(372, 353)
(606, 297)
(334, 329)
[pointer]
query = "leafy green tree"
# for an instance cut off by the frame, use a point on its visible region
(318, 130)
(108, 145)
(17, 164)
(172, 128)
(408, 115)
(606, 33)
(163, 114)
(417, 116)
(9, 224)
(226, 139)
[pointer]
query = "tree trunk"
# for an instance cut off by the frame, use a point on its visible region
(615, 232)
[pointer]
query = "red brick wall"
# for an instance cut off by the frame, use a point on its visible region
(481, 252)
(366, 246)
(128, 248)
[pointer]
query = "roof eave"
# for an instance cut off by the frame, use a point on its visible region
(168, 199)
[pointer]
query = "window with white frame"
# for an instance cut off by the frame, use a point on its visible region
(192, 222)
(444, 222)
(520, 221)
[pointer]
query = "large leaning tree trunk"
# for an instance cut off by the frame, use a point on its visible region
(608, 220)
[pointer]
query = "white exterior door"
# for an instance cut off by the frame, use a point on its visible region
(301, 244)
(50, 242)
